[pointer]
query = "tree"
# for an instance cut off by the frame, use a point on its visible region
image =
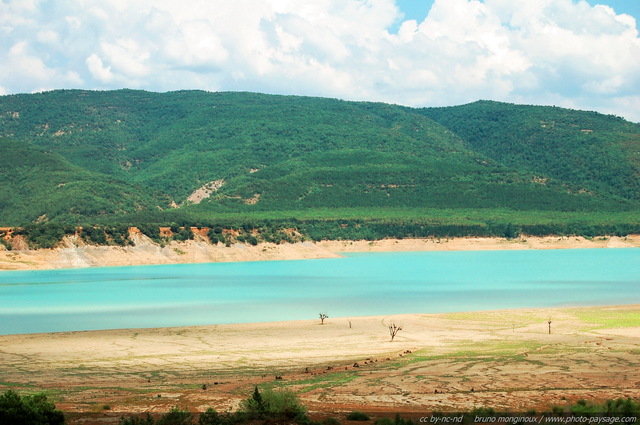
(394, 329)
(176, 416)
(132, 420)
(210, 417)
(28, 410)
(322, 317)
(282, 406)
(257, 400)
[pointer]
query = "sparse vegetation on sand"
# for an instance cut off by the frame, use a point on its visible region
(284, 407)
(505, 360)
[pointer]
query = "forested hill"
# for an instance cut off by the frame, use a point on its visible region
(79, 157)
(600, 153)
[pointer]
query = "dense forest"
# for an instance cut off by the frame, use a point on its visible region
(325, 168)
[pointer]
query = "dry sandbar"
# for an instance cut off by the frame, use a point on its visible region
(503, 359)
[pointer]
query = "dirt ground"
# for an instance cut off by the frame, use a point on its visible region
(506, 360)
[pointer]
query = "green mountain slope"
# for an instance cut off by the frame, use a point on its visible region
(40, 185)
(131, 156)
(585, 150)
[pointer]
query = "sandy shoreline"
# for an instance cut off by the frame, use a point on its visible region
(448, 362)
(75, 254)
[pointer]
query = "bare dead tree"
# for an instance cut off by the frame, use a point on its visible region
(322, 317)
(394, 329)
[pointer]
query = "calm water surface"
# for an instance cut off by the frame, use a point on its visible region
(356, 285)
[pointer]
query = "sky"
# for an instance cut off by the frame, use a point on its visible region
(572, 53)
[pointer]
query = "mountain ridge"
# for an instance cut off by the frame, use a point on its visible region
(78, 157)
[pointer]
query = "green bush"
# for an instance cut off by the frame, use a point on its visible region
(210, 417)
(622, 407)
(357, 416)
(399, 421)
(28, 410)
(95, 235)
(582, 408)
(152, 230)
(611, 408)
(214, 236)
(483, 412)
(132, 420)
(5, 243)
(118, 234)
(182, 234)
(176, 416)
(44, 235)
(274, 405)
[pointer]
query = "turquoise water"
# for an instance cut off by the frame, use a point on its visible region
(356, 285)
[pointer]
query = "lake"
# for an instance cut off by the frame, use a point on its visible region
(355, 285)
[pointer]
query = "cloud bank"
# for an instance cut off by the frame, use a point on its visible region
(562, 52)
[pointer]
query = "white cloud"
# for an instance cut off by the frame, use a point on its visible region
(561, 52)
(100, 72)
(47, 37)
(625, 106)
(127, 57)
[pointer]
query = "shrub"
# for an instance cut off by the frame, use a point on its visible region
(95, 235)
(210, 417)
(357, 416)
(28, 410)
(622, 407)
(582, 408)
(176, 416)
(182, 234)
(611, 408)
(44, 235)
(132, 420)
(274, 405)
(399, 421)
(213, 236)
(483, 412)
(150, 230)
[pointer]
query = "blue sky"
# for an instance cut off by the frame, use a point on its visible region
(572, 53)
(418, 9)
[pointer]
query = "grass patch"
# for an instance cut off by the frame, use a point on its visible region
(606, 318)
(315, 382)
(14, 384)
(494, 351)
(375, 382)
(496, 320)
(487, 350)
